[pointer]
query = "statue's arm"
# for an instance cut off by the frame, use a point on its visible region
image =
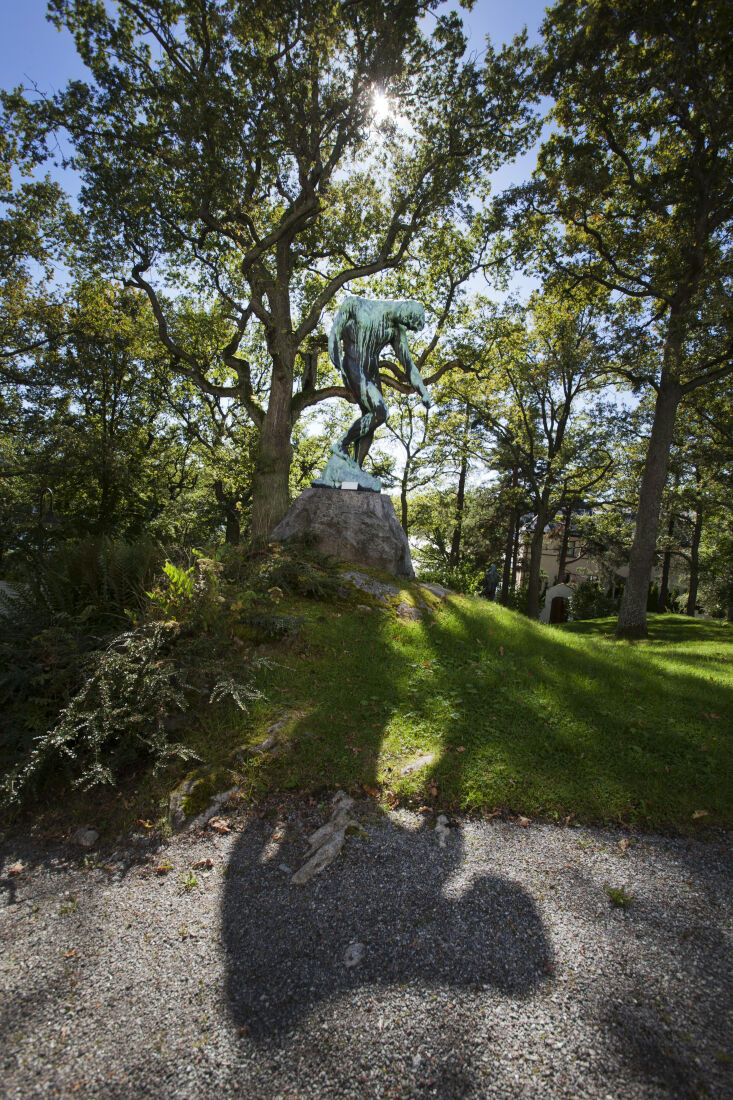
(334, 337)
(402, 351)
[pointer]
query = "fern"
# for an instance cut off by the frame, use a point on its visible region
(119, 712)
(227, 687)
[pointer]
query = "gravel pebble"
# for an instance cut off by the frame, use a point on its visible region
(496, 966)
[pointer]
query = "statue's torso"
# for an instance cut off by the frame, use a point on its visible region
(363, 343)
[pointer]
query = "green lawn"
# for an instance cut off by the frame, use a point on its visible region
(542, 721)
(551, 722)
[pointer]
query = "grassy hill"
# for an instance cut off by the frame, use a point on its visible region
(516, 717)
(471, 708)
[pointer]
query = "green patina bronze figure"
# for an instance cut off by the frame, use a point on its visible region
(360, 332)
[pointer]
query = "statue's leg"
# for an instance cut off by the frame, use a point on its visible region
(361, 448)
(361, 433)
(364, 384)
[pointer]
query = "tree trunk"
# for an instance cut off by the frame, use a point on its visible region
(231, 515)
(666, 563)
(694, 563)
(515, 550)
(403, 497)
(508, 548)
(632, 613)
(270, 495)
(535, 562)
(455, 545)
(567, 517)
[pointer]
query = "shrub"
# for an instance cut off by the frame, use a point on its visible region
(189, 596)
(119, 712)
(590, 602)
(518, 599)
(104, 578)
(295, 570)
(463, 578)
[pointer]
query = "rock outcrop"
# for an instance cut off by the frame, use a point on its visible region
(355, 526)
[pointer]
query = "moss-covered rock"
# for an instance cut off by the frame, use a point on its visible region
(202, 790)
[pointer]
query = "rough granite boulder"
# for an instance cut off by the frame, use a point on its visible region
(355, 526)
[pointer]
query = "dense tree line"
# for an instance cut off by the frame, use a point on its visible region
(162, 338)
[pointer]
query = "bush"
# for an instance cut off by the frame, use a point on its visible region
(518, 599)
(463, 578)
(191, 596)
(119, 711)
(103, 578)
(101, 699)
(590, 602)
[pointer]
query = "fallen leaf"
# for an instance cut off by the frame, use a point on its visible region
(16, 868)
(461, 748)
(370, 790)
(624, 843)
(501, 650)
(434, 791)
(163, 868)
(700, 813)
(203, 864)
(70, 954)
(219, 825)
(145, 824)
(523, 821)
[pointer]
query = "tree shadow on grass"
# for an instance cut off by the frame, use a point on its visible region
(519, 716)
(389, 891)
(679, 629)
(600, 731)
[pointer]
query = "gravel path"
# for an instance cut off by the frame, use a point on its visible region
(493, 967)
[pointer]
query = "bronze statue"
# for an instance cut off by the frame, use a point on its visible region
(360, 332)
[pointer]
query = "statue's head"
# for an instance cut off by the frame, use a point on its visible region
(412, 314)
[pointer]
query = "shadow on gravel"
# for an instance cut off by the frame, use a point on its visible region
(391, 892)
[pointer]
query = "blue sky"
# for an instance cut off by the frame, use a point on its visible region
(33, 52)
(31, 49)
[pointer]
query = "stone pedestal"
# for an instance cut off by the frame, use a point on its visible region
(340, 468)
(355, 526)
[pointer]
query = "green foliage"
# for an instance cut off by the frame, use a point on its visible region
(518, 718)
(589, 601)
(268, 626)
(77, 596)
(518, 599)
(634, 193)
(222, 181)
(189, 595)
(173, 601)
(106, 700)
(119, 714)
(107, 575)
(295, 570)
(619, 898)
(484, 518)
(242, 694)
(463, 578)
